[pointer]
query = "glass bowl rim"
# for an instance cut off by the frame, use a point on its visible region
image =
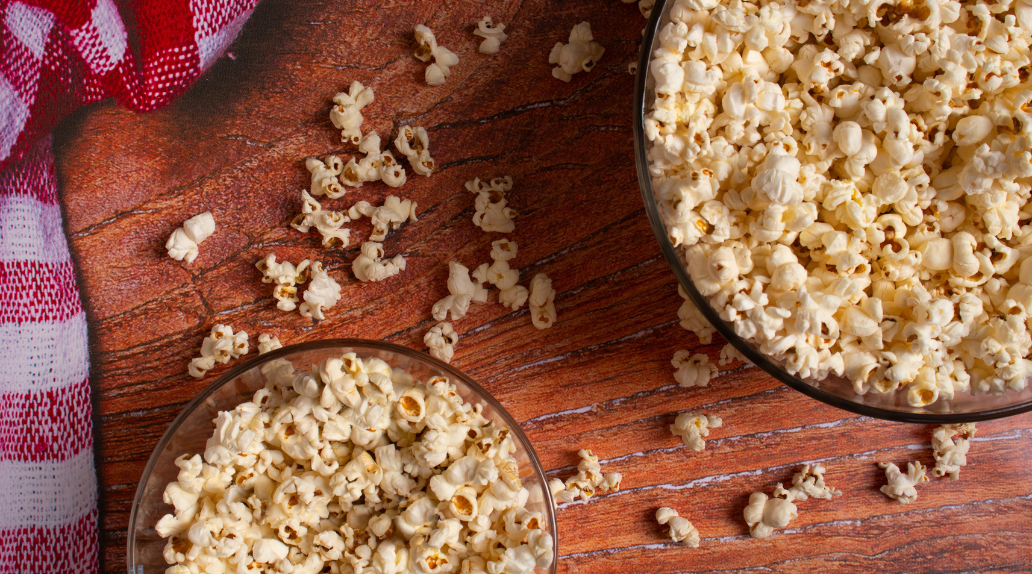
(704, 307)
(320, 344)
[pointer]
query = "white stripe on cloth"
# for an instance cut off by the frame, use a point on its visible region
(14, 112)
(31, 230)
(30, 25)
(45, 493)
(40, 356)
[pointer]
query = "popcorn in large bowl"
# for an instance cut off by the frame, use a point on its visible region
(842, 189)
(343, 456)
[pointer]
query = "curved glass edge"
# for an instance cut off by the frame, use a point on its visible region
(700, 302)
(237, 371)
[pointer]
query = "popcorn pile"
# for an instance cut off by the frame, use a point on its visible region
(849, 184)
(353, 467)
(764, 514)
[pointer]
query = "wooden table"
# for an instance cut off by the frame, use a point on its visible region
(601, 378)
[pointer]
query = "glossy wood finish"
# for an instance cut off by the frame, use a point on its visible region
(235, 144)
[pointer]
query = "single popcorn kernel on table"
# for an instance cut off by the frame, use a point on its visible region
(580, 55)
(951, 454)
(692, 370)
(386, 217)
(183, 242)
(493, 35)
(692, 428)
(462, 291)
(440, 341)
(414, 144)
(847, 196)
(346, 114)
(218, 347)
(588, 481)
(286, 277)
(901, 487)
(681, 530)
(807, 483)
(369, 267)
(353, 466)
(322, 293)
(324, 176)
(329, 224)
(441, 59)
(492, 213)
(542, 301)
(268, 343)
(377, 165)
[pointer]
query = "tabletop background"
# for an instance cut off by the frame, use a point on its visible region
(600, 379)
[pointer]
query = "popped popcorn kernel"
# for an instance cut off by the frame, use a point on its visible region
(950, 444)
(218, 347)
(441, 59)
(692, 428)
(681, 530)
(901, 487)
(440, 340)
(579, 55)
(493, 35)
(182, 244)
(692, 370)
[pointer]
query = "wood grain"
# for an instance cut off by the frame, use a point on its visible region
(600, 378)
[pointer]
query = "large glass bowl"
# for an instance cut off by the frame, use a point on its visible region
(835, 391)
(192, 428)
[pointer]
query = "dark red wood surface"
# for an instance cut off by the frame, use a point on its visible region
(601, 378)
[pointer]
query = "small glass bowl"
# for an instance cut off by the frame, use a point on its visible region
(192, 428)
(835, 391)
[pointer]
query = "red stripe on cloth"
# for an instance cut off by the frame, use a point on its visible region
(51, 425)
(34, 175)
(70, 548)
(35, 291)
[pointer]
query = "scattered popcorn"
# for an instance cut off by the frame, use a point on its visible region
(324, 176)
(765, 514)
(286, 277)
(183, 242)
(388, 216)
(680, 529)
(219, 347)
(492, 34)
(414, 144)
(692, 370)
(693, 427)
(329, 224)
(581, 54)
(440, 58)
(950, 455)
(491, 211)
(375, 166)
(353, 466)
(848, 185)
(588, 481)
(730, 353)
(542, 301)
(368, 267)
(441, 341)
(807, 483)
(901, 486)
(322, 293)
(463, 291)
(346, 115)
(267, 343)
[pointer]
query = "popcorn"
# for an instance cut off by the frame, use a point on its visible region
(355, 466)
(730, 353)
(901, 486)
(588, 481)
(388, 216)
(329, 224)
(368, 267)
(286, 276)
(462, 291)
(826, 171)
(441, 341)
(268, 343)
(680, 529)
(693, 427)
(581, 54)
(219, 347)
(491, 211)
(542, 301)
(440, 58)
(414, 144)
(951, 454)
(377, 165)
(324, 176)
(807, 483)
(493, 35)
(764, 514)
(346, 115)
(692, 320)
(183, 242)
(322, 293)
(692, 370)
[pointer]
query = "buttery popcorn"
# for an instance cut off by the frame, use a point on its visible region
(414, 143)
(388, 216)
(268, 343)
(493, 35)
(218, 347)
(286, 277)
(353, 466)
(183, 242)
(542, 301)
(900, 486)
(492, 213)
(369, 267)
(346, 114)
(322, 293)
(680, 529)
(440, 340)
(441, 59)
(329, 224)
(580, 55)
(692, 428)
(588, 481)
(848, 184)
(692, 370)
(951, 454)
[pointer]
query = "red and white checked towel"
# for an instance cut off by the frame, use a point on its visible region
(56, 55)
